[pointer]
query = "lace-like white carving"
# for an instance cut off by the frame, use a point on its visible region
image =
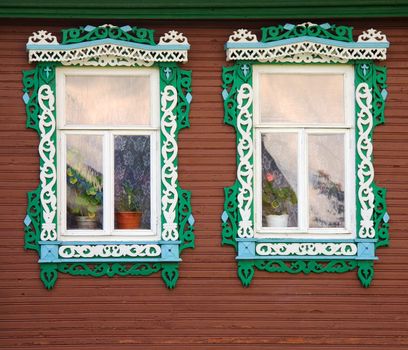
(306, 249)
(111, 61)
(42, 37)
(245, 167)
(372, 35)
(48, 173)
(310, 58)
(365, 171)
(306, 48)
(109, 251)
(173, 37)
(104, 50)
(242, 35)
(169, 174)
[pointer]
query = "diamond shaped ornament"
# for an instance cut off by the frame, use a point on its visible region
(27, 220)
(225, 94)
(26, 98)
(288, 26)
(189, 97)
(224, 216)
(191, 220)
(89, 28)
(384, 94)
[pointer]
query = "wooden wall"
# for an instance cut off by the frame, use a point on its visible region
(209, 309)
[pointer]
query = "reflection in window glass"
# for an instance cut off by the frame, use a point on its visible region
(84, 182)
(326, 180)
(279, 179)
(132, 182)
(302, 98)
(107, 100)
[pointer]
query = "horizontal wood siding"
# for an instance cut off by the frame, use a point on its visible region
(209, 309)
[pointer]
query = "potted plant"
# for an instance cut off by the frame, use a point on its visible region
(128, 213)
(276, 202)
(84, 196)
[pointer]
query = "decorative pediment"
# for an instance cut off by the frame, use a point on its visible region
(107, 45)
(306, 43)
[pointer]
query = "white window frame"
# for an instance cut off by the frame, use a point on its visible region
(303, 130)
(153, 130)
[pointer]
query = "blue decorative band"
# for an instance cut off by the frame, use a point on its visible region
(350, 45)
(109, 42)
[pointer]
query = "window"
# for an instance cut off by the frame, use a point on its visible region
(304, 101)
(109, 133)
(108, 103)
(304, 150)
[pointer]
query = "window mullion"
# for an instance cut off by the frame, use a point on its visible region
(303, 181)
(108, 183)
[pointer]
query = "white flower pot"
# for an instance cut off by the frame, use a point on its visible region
(277, 220)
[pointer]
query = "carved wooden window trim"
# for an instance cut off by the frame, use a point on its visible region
(108, 46)
(310, 44)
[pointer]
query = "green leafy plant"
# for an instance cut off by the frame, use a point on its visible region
(130, 199)
(85, 191)
(276, 200)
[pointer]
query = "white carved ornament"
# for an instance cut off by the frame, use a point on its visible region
(309, 58)
(169, 150)
(42, 37)
(126, 54)
(103, 50)
(365, 171)
(314, 52)
(242, 36)
(110, 61)
(373, 36)
(109, 251)
(173, 37)
(245, 171)
(48, 172)
(306, 249)
(306, 51)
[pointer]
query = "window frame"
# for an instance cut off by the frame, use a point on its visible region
(307, 44)
(109, 132)
(303, 130)
(109, 47)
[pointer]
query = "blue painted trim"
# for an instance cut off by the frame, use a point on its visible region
(98, 260)
(366, 240)
(305, 257)
(354, 45)
(296, 240)
(171, 252)
(246, 249)
(106, 242)
(49, 252)
(107, 41)
(366, 250)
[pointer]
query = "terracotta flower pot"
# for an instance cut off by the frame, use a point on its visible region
(127, 220)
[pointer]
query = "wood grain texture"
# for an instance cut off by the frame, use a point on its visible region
(209, 309)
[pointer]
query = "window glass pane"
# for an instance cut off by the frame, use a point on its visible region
(302, 98)
(84, 182)
(107, 100)
(279, 179)
(132, 182)
(326, 180)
